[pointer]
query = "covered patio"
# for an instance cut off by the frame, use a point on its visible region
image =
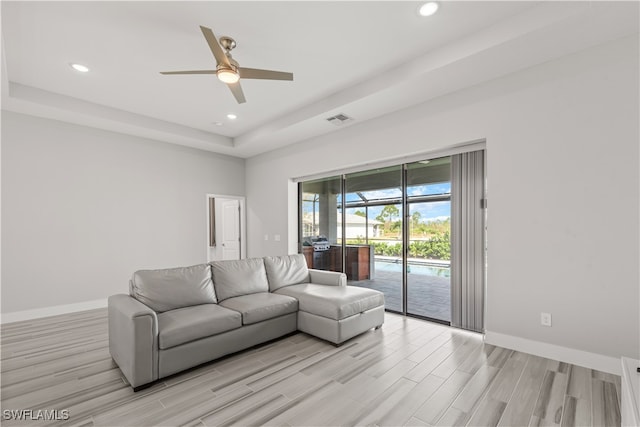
(428, 295)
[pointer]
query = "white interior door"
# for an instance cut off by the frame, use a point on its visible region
(225, 227)
(230, 228)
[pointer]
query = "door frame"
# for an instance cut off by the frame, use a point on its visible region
(243, 223)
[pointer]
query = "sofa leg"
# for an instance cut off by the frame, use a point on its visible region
(142, 387)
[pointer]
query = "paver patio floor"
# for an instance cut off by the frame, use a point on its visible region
(427, 295)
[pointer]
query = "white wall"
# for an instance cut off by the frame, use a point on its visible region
(83, 208)
(562, 145)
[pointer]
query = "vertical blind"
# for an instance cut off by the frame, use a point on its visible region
(467, 241)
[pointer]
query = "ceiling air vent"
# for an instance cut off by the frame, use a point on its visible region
(339, 119)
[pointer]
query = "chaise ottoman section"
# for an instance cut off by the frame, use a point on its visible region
(336, 313)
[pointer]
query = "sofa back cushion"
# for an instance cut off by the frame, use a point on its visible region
(241, 277)
(286, 271)
(171, 288)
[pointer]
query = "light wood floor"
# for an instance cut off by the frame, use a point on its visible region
(410, 372)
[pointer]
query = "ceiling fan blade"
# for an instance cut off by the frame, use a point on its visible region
(255, 73)
(236, 90)
(189, 72)
(215, 47)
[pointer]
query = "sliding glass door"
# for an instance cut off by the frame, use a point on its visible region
(429, 239)
(414, 232)
(373, 232)
(321, 238)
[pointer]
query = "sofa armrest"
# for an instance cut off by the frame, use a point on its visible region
(330, 278)
(133, 339)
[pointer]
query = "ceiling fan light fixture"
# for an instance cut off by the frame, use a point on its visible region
(226, 75)
(428, 8)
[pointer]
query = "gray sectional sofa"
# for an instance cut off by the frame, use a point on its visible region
(178, 318)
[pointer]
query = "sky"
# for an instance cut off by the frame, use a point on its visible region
(430, 211)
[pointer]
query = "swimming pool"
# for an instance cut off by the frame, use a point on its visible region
(424, 270)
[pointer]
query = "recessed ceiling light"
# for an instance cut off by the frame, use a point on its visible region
(231, 116)
(429, 8)
(80, 67)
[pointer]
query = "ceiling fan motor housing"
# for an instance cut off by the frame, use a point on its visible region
(227, 43)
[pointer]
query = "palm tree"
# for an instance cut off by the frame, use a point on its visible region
(388, 212)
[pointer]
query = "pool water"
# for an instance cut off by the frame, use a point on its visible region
(424, 270)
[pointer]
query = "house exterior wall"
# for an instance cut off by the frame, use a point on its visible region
(355, 231)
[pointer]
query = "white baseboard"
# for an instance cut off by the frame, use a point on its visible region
(37, 313)
(551, 351)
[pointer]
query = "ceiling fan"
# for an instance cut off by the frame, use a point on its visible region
(228, 70)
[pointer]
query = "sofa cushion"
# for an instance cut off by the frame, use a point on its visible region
(188, 324)
(261, 306)
(241, 277)
(286, 271)
(171, 288)
(333, 302)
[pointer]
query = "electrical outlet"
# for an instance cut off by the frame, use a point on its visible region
(266, 237)
(276, 237)
(545, 319)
